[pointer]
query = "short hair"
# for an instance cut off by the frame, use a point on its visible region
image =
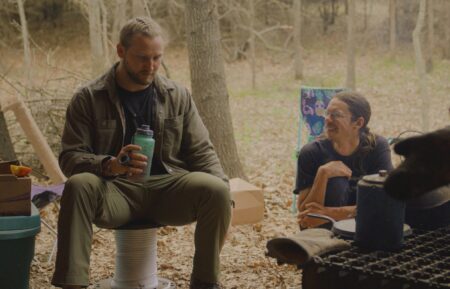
(139, 25)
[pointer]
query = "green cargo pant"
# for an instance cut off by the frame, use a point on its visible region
(173, 200)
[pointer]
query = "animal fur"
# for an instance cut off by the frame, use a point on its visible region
(426, 165)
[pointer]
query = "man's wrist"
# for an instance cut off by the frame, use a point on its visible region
(351, 212)
(323, 172)
(346, 212)
(107, 168)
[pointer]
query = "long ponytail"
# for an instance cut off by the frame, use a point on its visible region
(360, 107)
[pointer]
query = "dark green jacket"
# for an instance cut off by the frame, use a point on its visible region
(95, 129)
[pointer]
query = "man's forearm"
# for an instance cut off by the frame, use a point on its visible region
(341, 213)
(317, 192)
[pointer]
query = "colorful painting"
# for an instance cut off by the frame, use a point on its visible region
(313, 104)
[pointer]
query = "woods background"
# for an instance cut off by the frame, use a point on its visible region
(395, 56)
(285, 33)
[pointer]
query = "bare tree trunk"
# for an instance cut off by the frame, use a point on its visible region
(392, 25)
(350, 83)
(208, 81)
(146, 8)
(105, 40)
(431, 25)
(120, 16)
(366, 16)
(297, 17)
(420, 64)
(446, 22)
(251, 41)
(430, 36)
(26, 43)
(95, 37)
(6, 147)
(235, 35)
(138, 8)
(236, 19)
(163, 63)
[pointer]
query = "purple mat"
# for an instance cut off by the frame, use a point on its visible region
(41, 196)
(38, 189)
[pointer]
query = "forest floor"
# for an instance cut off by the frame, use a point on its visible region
(265, 119)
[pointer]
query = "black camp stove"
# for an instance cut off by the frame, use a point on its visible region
(422, 263)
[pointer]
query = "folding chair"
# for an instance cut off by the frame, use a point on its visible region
(313, 102)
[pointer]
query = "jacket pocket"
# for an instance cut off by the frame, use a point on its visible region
(106, 123)
(106, 136)
(173, 121)
(173, 132)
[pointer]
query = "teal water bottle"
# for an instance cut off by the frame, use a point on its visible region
(144, 138)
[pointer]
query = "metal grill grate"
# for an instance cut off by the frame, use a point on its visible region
(423, 262)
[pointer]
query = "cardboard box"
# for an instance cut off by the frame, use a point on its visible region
(249, 202)
(15, 192)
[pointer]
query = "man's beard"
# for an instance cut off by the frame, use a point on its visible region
(135, 77)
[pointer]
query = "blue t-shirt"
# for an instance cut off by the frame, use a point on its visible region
(340, 191)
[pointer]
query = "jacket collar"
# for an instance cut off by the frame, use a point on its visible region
(164, 86)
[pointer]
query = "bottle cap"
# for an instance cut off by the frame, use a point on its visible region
(144, 130)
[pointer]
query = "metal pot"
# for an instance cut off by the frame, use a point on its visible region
(379, 217)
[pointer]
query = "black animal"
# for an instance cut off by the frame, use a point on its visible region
(426, 165)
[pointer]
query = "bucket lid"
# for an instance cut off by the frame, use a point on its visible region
(9, 223)
(376, 178)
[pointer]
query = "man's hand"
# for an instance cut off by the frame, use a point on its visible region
(134, 166)
(336, 213)
(336, 169)
(307, 222)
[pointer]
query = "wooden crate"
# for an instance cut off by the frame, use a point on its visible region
(15, 192)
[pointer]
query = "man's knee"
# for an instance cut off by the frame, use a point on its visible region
(221, 196)
(81, 186)
(216, 191)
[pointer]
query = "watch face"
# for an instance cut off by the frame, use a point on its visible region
(124, 160)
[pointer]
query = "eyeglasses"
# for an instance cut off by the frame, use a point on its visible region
(335, 114)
